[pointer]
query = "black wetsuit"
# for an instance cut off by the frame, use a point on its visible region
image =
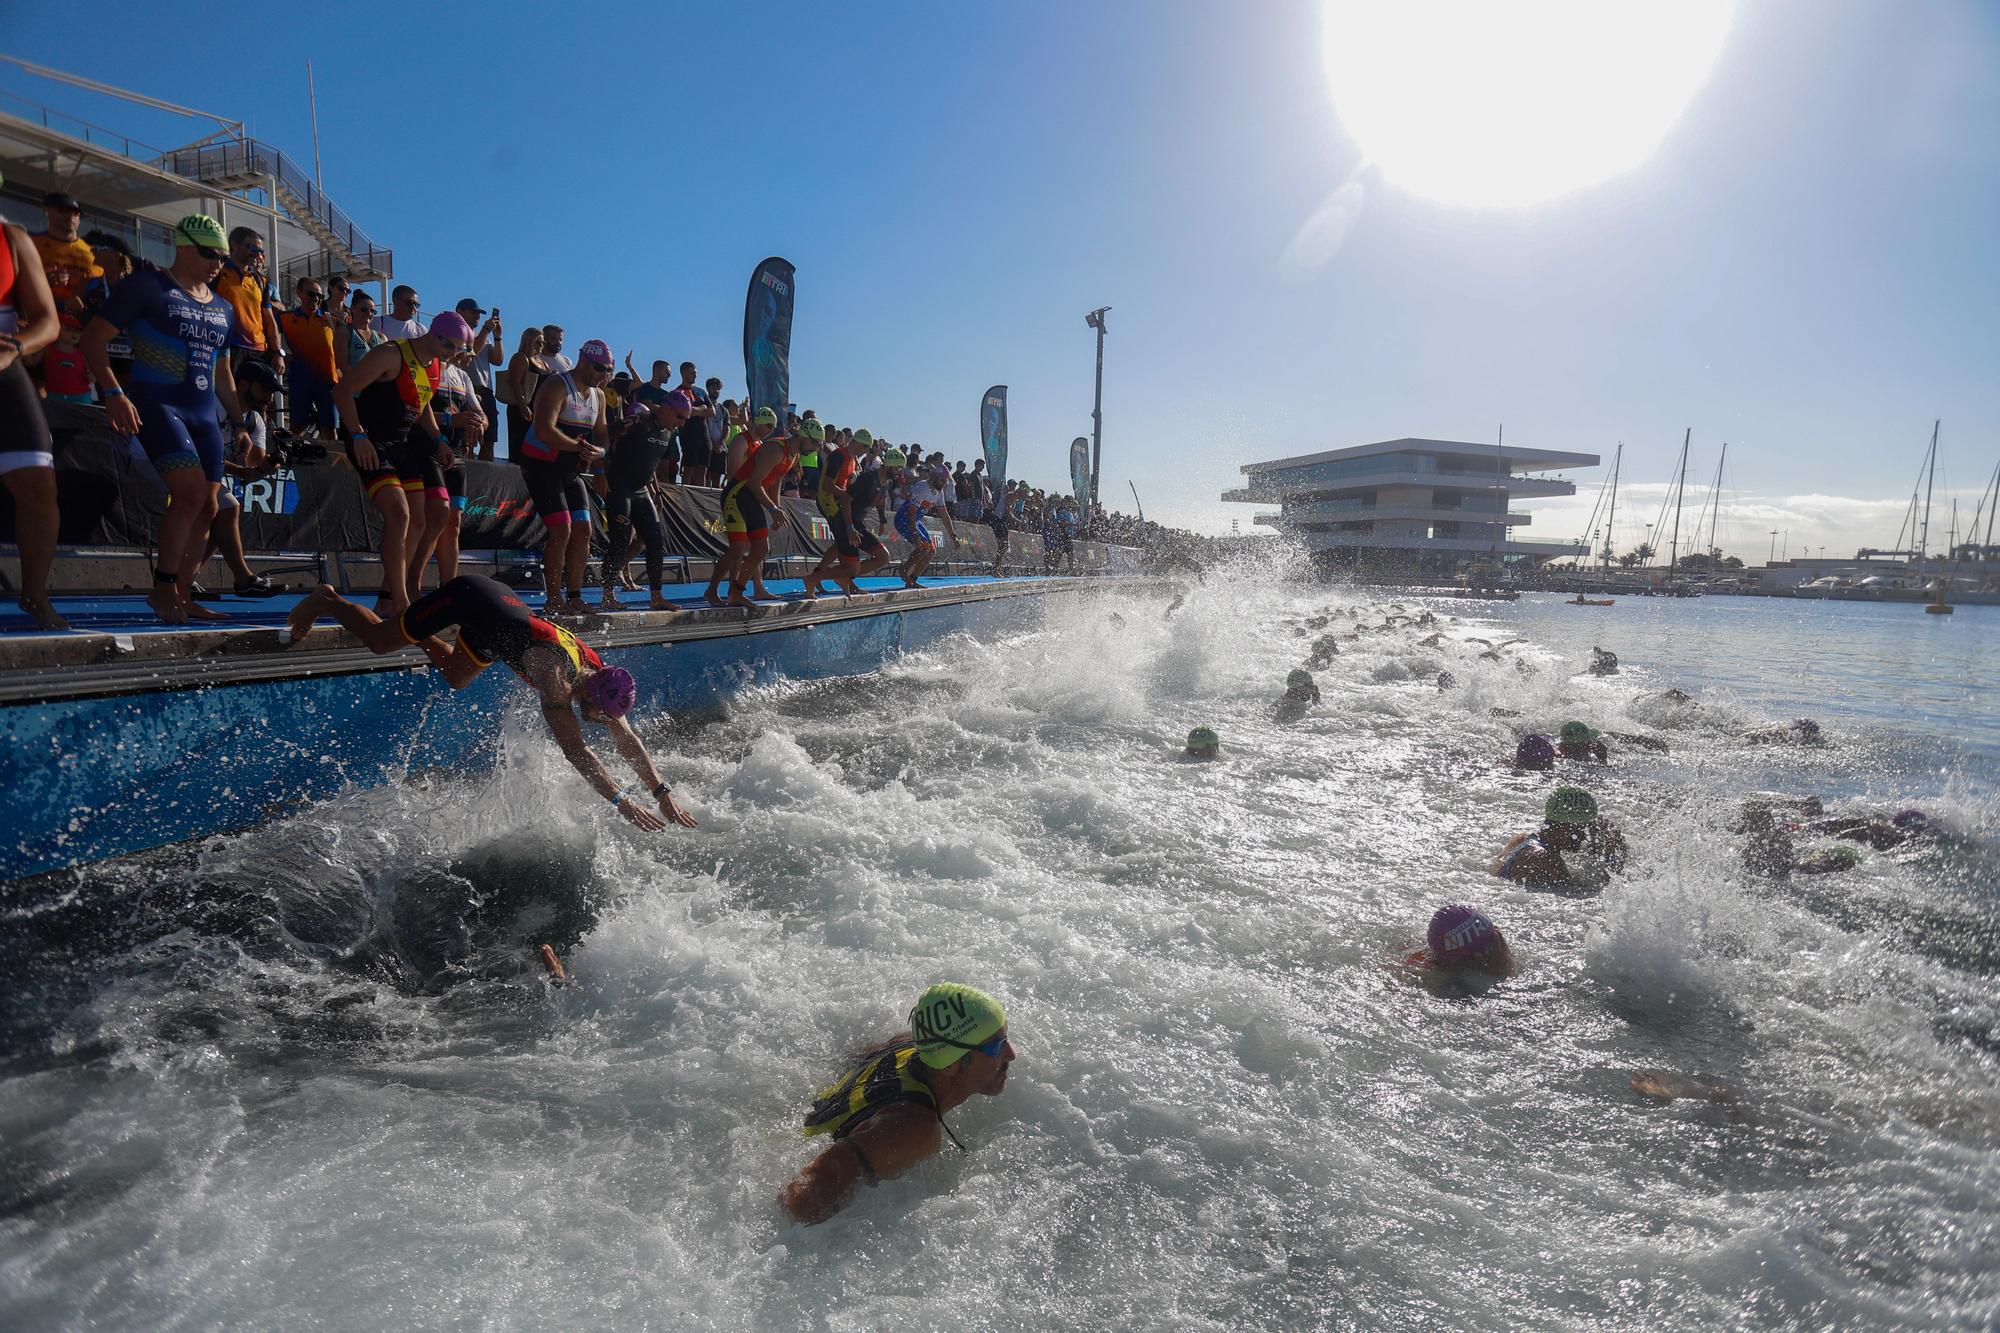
(634, 462)
(493, 624)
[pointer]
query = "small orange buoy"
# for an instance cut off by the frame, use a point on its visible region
(548, 959)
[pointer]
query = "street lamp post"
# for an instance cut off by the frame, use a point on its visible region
(1772, 558)
(1095, 319)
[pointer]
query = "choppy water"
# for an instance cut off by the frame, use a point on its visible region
(305, 1077)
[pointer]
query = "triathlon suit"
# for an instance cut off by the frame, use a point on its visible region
(744, 517)
(554, 476)
(389, 410)
(839, 476)
(493, 625)
(175, 340)
(635, 460)
(24, 431)
(877, 1081)
(910, 524)
(1505, 866)
(861, 492)
(454, 395)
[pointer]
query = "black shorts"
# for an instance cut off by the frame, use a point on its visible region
(744, 518)
(852, 540)
(557, 491)
(492, 622)
(418, 469)
(375, 478)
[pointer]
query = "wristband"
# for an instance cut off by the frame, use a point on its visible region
(617, 799)
(357, 435)
(113, 392)
(663, 790)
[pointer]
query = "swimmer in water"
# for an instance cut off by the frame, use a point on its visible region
(1324, 650)
(886, 1110)
(1203, 744)
(1463, 953)
(1579, 742)
(1831, 859)
(1802, 731)
(495, 626)
(1570, 824)
(1603, 663)
(1879, 830)
(1535, 754)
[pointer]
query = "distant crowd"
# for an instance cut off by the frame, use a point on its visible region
(198, 363)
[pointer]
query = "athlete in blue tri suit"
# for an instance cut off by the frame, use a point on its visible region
(180, 388)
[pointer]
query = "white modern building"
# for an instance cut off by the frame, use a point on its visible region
(1418, 506)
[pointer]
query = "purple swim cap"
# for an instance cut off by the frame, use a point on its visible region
(679, 399)
(1459, 932)
(594, 352)
(1534, 752)
(1911, 821)
(451, 325)
(611, 689)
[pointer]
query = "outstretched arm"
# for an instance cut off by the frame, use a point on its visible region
(568, 732)
(634, 750)
(885, 1146)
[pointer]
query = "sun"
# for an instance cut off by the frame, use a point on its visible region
(1506, 103)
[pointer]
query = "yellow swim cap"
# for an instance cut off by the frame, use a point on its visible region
(950, 1019)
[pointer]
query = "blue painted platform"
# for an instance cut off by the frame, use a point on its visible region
(127, 734)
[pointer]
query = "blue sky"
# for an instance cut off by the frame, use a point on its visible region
(1805, 267)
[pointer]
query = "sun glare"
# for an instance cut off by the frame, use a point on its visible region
(1504, 103)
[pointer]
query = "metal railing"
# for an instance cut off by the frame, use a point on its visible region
(238, 159)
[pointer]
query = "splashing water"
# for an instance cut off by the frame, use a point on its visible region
(308, 1075)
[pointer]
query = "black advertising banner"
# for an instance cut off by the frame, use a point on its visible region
(993, 435)
(767, 336)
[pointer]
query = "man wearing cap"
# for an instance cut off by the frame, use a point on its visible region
(1579, 742)
(495, 626)
(181, 385)
(67, 258)
(486, 354)
(886, 1111)
(1570, 824)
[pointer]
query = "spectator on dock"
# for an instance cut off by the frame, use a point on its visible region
(461, 425)
(29, 322)
(245, 283)
(65, 258)
(309, 335)
(402, 323)
(487, 340)
(182, 385)
(552, 349)
(702, 436)
(65, 378)
(523, 378)
(361, 337)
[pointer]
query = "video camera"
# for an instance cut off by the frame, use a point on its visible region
(285, 449)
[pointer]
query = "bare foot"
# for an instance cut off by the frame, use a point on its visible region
(196, 611)
(710, 597)
(609, 601)
(43, 612)
(660, 603)
(166, 604)
(740, 600)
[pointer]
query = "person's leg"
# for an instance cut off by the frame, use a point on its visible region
(225, 535)
(447, 547)
(618, 510)
(437, 514)
(646, 518)
(760, 550)
(183, 533)
(578, 565)
(489, 407)
(395, 550)
(376, 634)
(555, 552)
(36, 520)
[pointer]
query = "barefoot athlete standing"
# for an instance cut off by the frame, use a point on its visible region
(495, 626)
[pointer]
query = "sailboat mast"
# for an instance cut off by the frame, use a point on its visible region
(1680, 489)
(1993, 505)
(1930, 476)
(1612, 517)
(1715, 499)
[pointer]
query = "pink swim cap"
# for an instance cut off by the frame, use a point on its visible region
(595, 352)
(612, 689)
(451, 325)
(1458, 933)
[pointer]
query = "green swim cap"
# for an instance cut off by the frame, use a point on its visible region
(1202, 738)
(950, 1019)
(1298, 678)
(765, 417)
(1575, 733)
(1570, 805)
(1840, 854)
(894, 458)
(200, 229)
(863, 438)
(812, 430)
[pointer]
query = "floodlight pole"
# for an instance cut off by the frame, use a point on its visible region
(1096, 321)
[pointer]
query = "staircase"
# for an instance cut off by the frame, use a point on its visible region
(247, 164)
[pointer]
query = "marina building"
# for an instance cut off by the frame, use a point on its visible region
(1412, 507)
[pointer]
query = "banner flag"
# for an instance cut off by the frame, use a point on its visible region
(767, 336)
(993, 435)
(1079, 473)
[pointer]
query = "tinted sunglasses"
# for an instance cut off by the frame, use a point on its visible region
(990, 1048)
(210, 252)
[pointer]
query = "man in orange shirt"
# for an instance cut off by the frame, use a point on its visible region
(308, 331)
(244, 285)
(67, 258)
